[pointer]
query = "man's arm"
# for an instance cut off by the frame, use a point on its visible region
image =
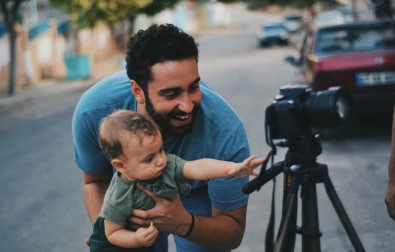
(94, 188)
(225, 229)
(390, 194)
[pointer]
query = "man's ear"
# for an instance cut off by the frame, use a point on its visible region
(138, 92)
(118, 164)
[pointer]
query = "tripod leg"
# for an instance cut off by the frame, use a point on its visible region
(342, 214)
(286, 234)
(310, 231)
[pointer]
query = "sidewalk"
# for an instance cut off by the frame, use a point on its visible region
(53, 86)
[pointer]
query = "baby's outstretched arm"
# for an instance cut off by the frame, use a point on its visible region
(246, 167)
(207, 168)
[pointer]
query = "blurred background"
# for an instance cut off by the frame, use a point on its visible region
(52, 51)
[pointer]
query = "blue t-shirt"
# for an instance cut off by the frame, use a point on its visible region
(217, 133)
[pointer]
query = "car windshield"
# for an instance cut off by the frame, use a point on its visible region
(358, 38)
(293, 18)
(274, 29)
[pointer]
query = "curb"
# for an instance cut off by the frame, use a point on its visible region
(40, 91)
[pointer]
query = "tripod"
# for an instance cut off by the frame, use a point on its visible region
(301, 170)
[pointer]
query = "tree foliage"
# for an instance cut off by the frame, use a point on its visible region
(157, 6)
(87, 13)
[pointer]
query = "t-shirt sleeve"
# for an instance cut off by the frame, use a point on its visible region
(87, 152)
(118, 201)
(110, 212)
(183, 187)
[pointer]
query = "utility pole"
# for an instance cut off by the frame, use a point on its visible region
(10, 10)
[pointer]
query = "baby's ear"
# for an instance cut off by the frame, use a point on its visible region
(118, 164)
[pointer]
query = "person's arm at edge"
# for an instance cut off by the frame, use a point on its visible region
(94, 187)
(390, 193)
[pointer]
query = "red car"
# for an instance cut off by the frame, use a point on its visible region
(358, 56)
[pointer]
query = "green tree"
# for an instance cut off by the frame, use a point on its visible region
(10, 11)
(87, 13)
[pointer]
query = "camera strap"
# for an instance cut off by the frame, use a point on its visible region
(269, 239)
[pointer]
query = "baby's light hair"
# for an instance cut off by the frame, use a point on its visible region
(114, 127)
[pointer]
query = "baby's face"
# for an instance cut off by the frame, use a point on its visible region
(144, 160)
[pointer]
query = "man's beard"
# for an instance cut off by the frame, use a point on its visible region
(164, 120)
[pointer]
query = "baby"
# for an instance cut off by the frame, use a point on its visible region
(133, 144)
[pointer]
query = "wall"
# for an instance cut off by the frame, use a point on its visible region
(42, 56)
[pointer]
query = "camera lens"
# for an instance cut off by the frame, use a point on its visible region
(343, 108)
(329, 108)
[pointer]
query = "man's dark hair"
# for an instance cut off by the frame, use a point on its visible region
(157, 44)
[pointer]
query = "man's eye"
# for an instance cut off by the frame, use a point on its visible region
(194, 88)
(149, 160)
(171, 95)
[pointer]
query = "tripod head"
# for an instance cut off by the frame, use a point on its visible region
(302, 151)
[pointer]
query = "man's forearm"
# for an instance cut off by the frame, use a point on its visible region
(220, 231)
(94, 195)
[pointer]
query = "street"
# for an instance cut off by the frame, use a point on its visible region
(41, 189)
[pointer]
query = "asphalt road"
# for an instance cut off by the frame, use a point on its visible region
(40, 187)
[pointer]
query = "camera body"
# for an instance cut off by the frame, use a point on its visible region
(297, 109)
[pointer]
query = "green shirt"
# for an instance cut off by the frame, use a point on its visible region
(122, 196)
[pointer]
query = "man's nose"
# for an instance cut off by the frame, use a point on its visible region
(186, 105)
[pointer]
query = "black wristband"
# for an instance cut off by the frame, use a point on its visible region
(190, 227)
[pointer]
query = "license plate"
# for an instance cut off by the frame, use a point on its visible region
(374, 78)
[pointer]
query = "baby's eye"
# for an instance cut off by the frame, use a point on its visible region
(149, 159)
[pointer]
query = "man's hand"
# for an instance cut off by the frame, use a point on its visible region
(223, 230)
(168, 215)
(390, 199)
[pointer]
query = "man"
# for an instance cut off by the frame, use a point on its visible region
(390, 194)
(163, 83)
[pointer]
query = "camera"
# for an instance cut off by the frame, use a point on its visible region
(297, 109)
(292, 116)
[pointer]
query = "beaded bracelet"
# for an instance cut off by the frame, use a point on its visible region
(190, 227)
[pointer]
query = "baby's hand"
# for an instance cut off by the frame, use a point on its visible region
(147, 236)
(246, 167)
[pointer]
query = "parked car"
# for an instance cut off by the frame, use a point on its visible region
(293, 23)
(327, 18)
(273, 33)
(358, 56)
